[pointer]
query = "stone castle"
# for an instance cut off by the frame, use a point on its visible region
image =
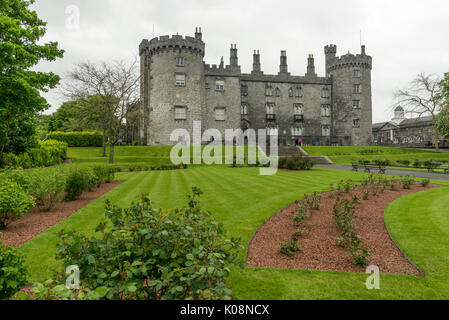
(178, 88)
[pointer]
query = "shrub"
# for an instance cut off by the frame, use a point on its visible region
(78, 139)
(360, 256)
(47, 188)
(417, 163)
(289, 248)
(313, 201)
(51, 290)
(104, 173)
(407, 182)
(425, 182)
(14, 202)
(154, 254)
(13, 274)
(78, 181)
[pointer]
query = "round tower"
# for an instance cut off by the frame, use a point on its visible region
(172, 85)
(352, 97)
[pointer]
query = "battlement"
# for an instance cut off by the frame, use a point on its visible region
(350, 60)
(330, 49)
(175, 42)
(215, 70)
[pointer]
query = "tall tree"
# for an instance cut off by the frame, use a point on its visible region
(115, 86)
(423, 97)
(20, 49)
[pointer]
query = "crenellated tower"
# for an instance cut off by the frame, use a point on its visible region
(172, 85)
(352, 97)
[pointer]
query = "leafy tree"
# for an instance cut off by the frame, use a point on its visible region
(20, 50)
(114, 86)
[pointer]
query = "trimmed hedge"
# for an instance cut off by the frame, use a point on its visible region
(78, 139)
(296, 163)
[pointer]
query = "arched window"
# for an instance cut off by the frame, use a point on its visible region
(296, 131)
(277, 92)
(244, 109)
(291, 93)
(326, 93)
(299, 92)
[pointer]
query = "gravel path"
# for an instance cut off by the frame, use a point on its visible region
(393, 172)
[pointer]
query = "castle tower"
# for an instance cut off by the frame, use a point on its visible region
(172, 85)
(330, 52)
(352, 97)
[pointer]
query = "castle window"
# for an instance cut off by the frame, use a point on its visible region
(325, 93)
(356, 123)
(356, 88)
(180, 61)
(219, 85)
(244, 90)
(296, 132)
(325, 131)
(180, 113)
(356, 73)
(220, 114)
(269, 90)
(270, 108)
(297, 109)
(290, 93)
(180, 80)
(325, 111)
(277, 92)
(356, 104)
(299, 92)
(244, 109)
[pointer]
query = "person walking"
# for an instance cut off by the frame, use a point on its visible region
(300, 142)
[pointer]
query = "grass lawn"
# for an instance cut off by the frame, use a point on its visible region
(243, 200)
(347, 155)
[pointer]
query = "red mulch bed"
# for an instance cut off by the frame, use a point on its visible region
(35, 222)
(319, 251)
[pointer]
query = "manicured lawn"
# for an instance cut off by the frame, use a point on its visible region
(347, 155)
(125, 156)
(243, 200)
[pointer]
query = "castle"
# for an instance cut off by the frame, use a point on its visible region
(178, 88)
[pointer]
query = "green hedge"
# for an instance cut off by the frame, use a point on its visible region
(48, 153)
(78, 139)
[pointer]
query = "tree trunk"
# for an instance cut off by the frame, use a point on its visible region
(435, 129)
(111, 151)
(104, 143)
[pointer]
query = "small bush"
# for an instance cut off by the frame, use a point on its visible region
(289, 248)
(47, 188)
(154, 254)
(14, 202)
(13, 274)
(78, 181)
(425, 182)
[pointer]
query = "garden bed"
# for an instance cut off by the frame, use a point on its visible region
(35, 222)
(319, 248)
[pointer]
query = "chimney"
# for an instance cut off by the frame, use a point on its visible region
(221, 63)
(311, 66)
(284, 67)
(363, 50)
(256, 62)
(234, 56)
(198, 33)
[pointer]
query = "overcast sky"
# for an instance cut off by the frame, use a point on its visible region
(404, 37)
